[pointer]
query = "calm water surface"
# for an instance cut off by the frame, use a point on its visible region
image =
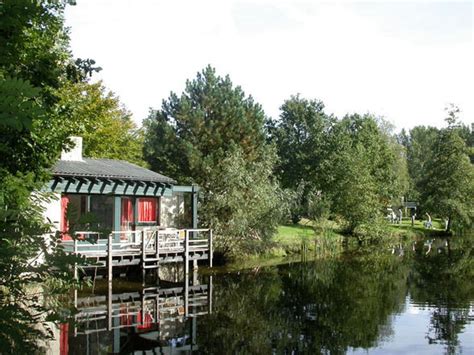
(413, 298)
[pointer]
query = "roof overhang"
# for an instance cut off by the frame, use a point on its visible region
(108, 186)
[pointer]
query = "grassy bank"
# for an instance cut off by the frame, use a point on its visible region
(326, 237)
(306, 236)
(418, 229)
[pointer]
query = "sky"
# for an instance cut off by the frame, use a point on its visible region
(404, 61)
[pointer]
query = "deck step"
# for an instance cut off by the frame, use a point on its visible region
(151, 266)
(151, 259)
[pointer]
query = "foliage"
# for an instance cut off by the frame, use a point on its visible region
(206, 121)
(358, 171)
(33, 62)
(292, 203)
(34, 42)
(448, 184)
(29, 258)
(106, 128)
(299, 136)
(240, 203)
(213, 135)
(419, 149)
(353, 167)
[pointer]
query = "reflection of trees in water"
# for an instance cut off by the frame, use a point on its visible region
(444, 280)
(322, 306)
(334, 304)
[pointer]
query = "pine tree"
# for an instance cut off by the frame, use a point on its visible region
(198, 136)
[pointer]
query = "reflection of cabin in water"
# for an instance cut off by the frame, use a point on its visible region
(118, 214)
(150, 319)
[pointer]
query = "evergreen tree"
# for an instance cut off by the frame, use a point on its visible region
(196, 137)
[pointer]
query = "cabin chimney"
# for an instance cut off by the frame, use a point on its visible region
(75, 154)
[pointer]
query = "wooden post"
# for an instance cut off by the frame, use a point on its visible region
(186, 252)
(157, 254)
(109, 259)
(76, 276)
(209, 294)
(109, 301)
(157, 307)
(143, 307)
(75, 306)
(211, 251)
(143, 257)
(194, 206)
(186, 293)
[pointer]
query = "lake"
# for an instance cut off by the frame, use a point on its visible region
(413, 297)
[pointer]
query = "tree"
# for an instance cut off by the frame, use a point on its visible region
(449, 177)
(299, 136)
(358, 170)
(419, 149)
(33, 62)
(213, 135)
(107, 128)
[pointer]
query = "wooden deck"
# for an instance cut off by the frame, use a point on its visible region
(146, 248)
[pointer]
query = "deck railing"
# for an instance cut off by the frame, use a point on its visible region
(149, 244)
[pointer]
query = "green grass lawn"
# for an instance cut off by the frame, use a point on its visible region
(325, 237)
(418, 228)
(290, 234)
(290, 239)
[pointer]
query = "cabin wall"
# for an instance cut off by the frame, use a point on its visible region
(52, 211)
(171, 210)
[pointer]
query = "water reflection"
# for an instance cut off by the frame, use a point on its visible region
(349, 304)
(411, 297)
(128, 318)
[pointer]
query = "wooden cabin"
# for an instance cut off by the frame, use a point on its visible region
(118, 214)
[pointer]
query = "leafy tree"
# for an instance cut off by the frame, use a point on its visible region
(240, 202)
(449, 177)
(34, 42)
(213, 135)
(107, 128)
(299, 136)
(419, 149)
(358, 170)
(33, 62)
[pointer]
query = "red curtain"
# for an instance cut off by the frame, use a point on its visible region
(64, 339)
(64, 225)
(145, 321)
(127, 213)
(147, 210)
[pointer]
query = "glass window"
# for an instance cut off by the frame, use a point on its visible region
(102, 209)
(147, 210)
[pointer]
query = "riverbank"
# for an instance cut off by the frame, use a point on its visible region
(326, 237)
